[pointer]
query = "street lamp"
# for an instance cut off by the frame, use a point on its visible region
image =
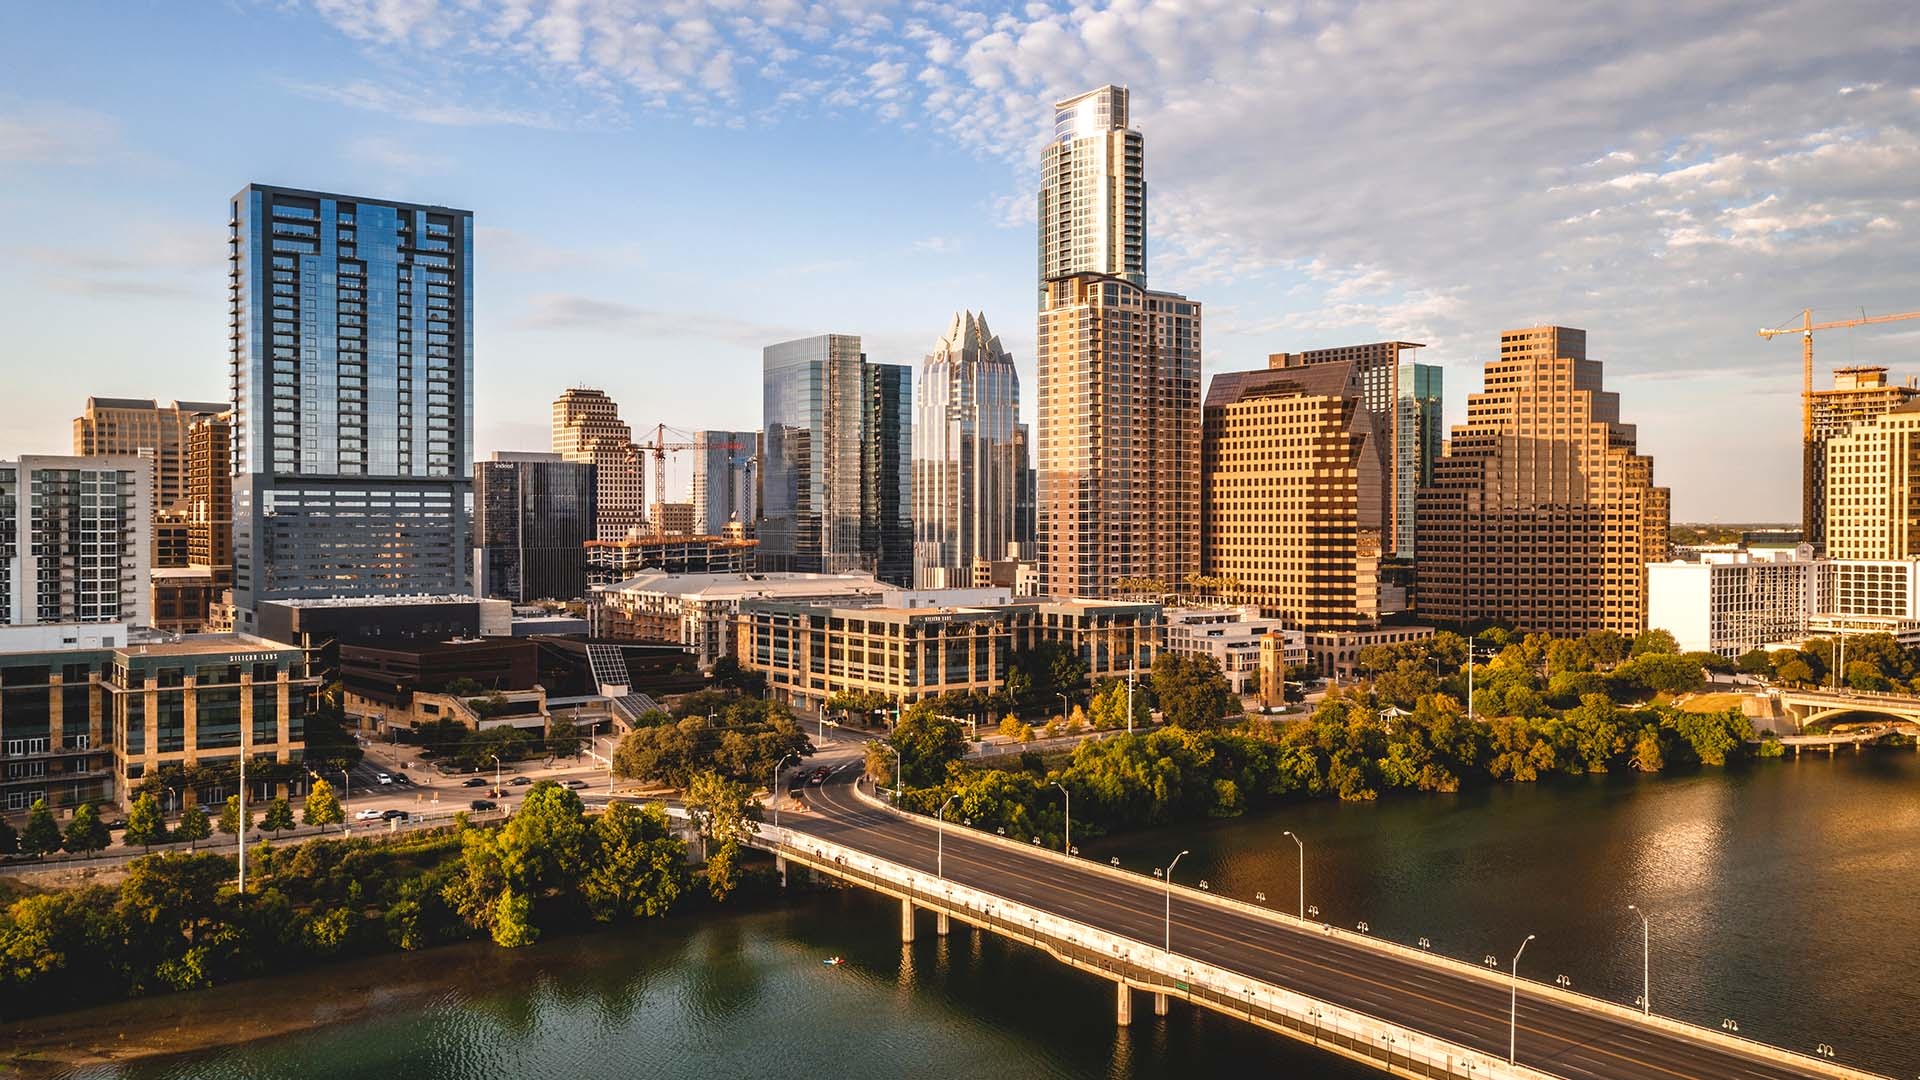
(496, 772)
(1169, 876)
(1066, 840)
(1303, 875)
(940, 840)
(1646, 966)
(775, 796)
(899, 767)
(1065, 708)
(1513, 1015)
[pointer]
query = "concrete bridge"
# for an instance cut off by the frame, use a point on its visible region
(1813, 706)
(1403, 1011)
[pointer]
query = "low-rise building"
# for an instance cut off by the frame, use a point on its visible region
(1021, 577)
(1336, 653)
(183, 596)
(612, 561)
(698, 610)
(810, 651)
(1234, 637)
(1729, 602)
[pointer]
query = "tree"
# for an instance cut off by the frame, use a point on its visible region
(927, 743)
(42, 833)
(1191, 690)
(194, 826)
(145, 824)
(85, 833)
(322, 808)
(513, 921)
(230, 816)
(724, 814)
(563, 737)
(544, 844)
(9, 839)
(1654, 641)
(637, 869)
(279, 816)
(1754, 662)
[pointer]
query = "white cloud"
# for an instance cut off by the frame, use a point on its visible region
(393, 154)
(53, 134)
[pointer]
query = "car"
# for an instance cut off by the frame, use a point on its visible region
(474, 781)
(382, 778)
(426, 751)
(393, 815)
(483, 804)
(520, 781)
(115, 823)
(819, 777)
(577, 785)
(367, 815)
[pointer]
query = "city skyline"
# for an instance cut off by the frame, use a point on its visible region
(1672, 215)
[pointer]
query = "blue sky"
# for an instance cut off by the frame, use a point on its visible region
(662, 188)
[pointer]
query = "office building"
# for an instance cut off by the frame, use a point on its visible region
(1872, 490)
(967, 474)
(1730, 602)
(1235, 638)
(587, 429)
(1025, 496)
(1859, 394)
(145, 428)
(886, 473)
(1291, 510)
(1093, 197)
(533, 513)
(1335, 654)
(76, 538)
(672, 518)
(1542, 514)
(725, 487)
(814, 402)
(1418, 436)
(209, 497)
(811, 651)
(612, 561)
(352, 372)
(1118, 469)
(698, 610)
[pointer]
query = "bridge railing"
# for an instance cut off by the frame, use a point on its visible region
(1811, 1064)
(1399, 1050)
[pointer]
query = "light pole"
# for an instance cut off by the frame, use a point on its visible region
(776, 787)
(1065, 708)
(1646, 961)
(1303, 875)
(940, 840)
(1472, 649)
(1169, 876)
(1066, 839)
(496, 773)
(1513, 1015)
(898, 768)
(1129, 700)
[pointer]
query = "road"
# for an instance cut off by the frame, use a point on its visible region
(1553, 1036)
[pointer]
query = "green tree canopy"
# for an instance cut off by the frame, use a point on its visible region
(230, 816)
(637, 868)
(42, 834)
(1191, 690)
(927, 743)
(322, 808)
(86, 833)
(194, 826)
(146, 826)
(279, 816)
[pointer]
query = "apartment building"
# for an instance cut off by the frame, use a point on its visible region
(76, 538)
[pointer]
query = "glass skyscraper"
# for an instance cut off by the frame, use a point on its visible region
(886, 473)
(1417, 438)
(813, 405)
(967, 479)
(532, 515)
(352, 381)
(723, 483)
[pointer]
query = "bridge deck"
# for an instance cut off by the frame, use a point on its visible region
(1557, 1034)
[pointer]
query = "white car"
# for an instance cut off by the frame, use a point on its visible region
(367, 815)
(382, 778)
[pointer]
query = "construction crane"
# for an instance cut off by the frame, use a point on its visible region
(659, 448)
(1806, 328)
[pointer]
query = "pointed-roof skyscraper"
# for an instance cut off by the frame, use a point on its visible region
(966, 476)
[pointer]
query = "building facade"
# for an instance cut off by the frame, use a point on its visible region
(886, 474)
(142, 427)
(587, 429)
(1872, 490)
(76, 537)
(966, 473)
(1731, 602)
(725, 489)
(1542, 514)
(1859, 394)
(352, 373)
(1419, 435)
(1377, 367)
(1236, 639)
(210, 496)
(810, 652)
(533, 514)
(1292, 472)
(814, 400)
(672, 518)
(612, 561)
(698, 610)
(1093, 192)
(1117, 500)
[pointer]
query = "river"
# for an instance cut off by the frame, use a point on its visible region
(1781, 896)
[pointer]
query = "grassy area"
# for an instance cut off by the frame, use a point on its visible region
(1712, 703)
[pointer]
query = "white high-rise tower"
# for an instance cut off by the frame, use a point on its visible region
(967, 465)
(1093, 191)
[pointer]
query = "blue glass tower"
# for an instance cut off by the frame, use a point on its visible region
(352, 383)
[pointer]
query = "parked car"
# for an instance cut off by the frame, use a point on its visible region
(393, 815)
(382, 778)
(520, 781)
(474, 781)
(577, 785)
(483, 804)
(115, 823)
(367, 815)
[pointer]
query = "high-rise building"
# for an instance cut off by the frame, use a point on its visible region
(1378, 365)
(1872, 490)
(143, 427)
(210, 496)
(672, 518)
(1542, 514)
(1093, 192)
(968, 458)
(1859, 394)
(532, 515)
(1118, 469)
(1290, 507)
(724, 489)
(587, 428)
(815, 394)
(352, 373)
(1418, 436)
(1025, 495)
(886, 473)
(75, 540)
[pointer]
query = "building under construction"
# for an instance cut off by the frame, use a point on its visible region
(1859, 395)
(610, 562)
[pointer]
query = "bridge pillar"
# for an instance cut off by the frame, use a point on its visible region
(1159, 1004)
(906, 921)
(780, 868)
(940, 923)
(1123, 1012)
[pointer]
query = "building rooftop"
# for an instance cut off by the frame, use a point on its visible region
(372, 601)
(202, 644)
(739, 586)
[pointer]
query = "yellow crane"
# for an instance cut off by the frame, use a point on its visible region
(1805, 330)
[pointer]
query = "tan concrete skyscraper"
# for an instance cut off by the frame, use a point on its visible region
(142, 427)
(1291, 502)
(1859, 394)
(1118, 448)
(1872, 490)
(587, 428)
(1542, 514)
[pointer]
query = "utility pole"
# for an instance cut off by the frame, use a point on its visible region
(1130, 701)
(243, 809)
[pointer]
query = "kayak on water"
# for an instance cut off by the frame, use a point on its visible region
(833, 961)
